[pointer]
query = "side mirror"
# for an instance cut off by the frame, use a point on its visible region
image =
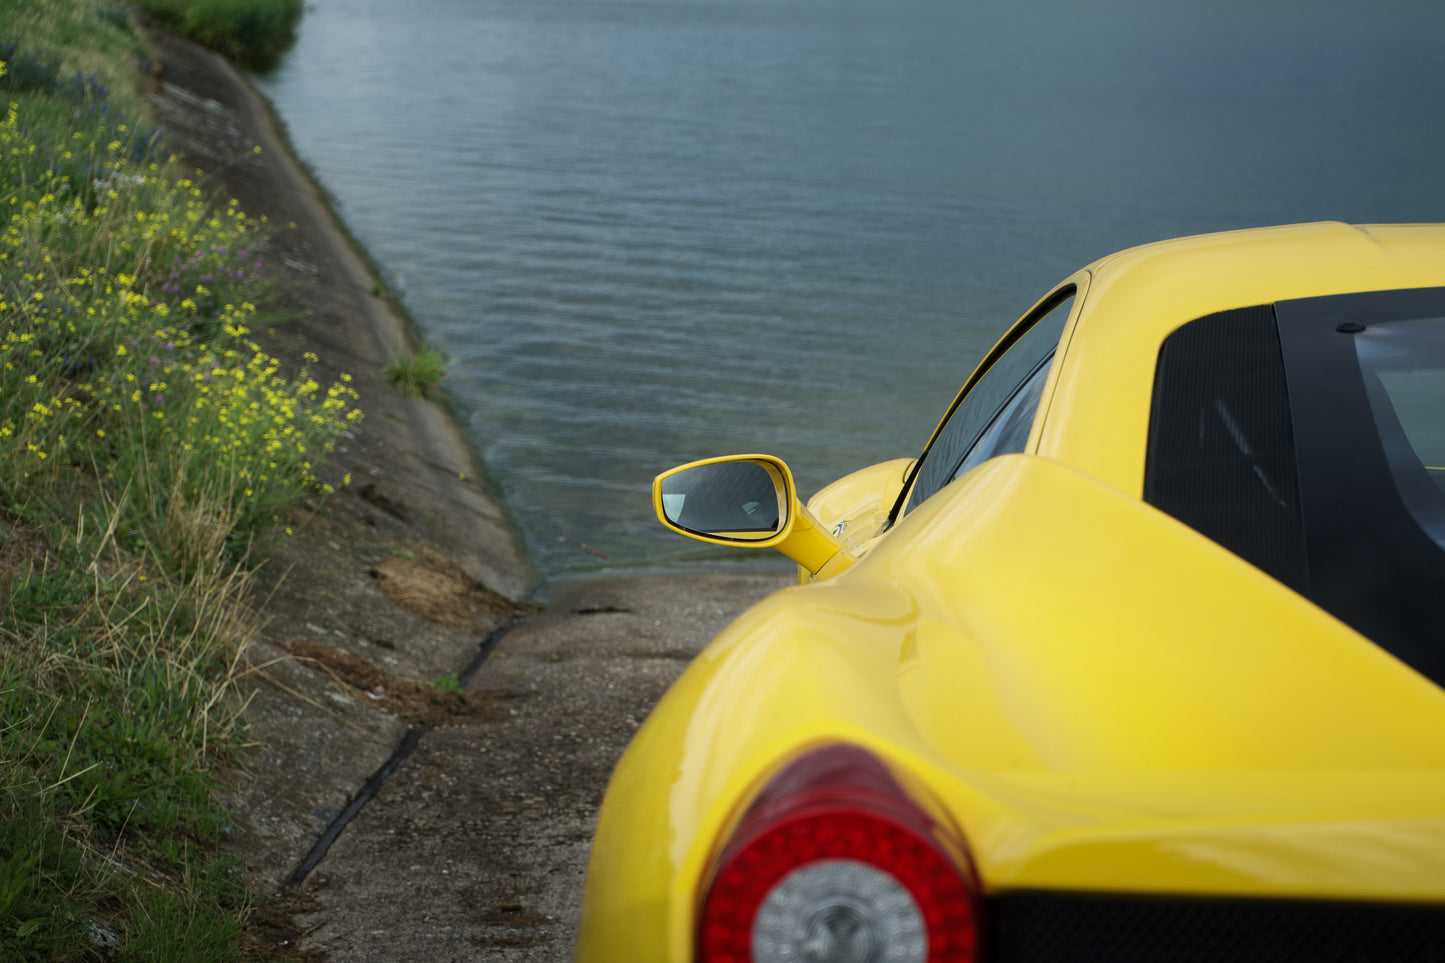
(726, 501)
(745, 500)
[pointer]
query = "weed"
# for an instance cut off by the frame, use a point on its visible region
(447, 683)
(149, 443)
(247, 30)
(418, 374)
(174, 929)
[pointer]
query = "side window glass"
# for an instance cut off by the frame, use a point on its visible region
(1010, 429)
(992, 390)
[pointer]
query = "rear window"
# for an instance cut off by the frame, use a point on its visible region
(1308, 437)
(1221, 447)
(1403, 365)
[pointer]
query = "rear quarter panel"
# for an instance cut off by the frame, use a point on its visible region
(1074, 680)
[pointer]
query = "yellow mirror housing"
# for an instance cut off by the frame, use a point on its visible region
(750, 501)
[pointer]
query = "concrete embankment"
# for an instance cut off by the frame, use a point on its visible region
(475, 845)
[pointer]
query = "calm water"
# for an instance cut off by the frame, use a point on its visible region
(654, 230)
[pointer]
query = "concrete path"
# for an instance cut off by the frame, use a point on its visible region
(477, 847)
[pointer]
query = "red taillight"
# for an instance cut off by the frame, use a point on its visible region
(834, 863)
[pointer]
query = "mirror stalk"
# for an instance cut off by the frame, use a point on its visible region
(812, 547)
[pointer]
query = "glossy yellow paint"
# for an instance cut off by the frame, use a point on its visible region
(1094, 695)
(1096, 725)
(855, 507)
(1098, 417)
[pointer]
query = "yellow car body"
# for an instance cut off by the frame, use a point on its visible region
(1087, 697)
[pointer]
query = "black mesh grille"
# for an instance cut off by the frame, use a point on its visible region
(1060, 928)
(1221, 449)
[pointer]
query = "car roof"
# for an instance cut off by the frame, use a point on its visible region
(1200, 275)
(1098, 409)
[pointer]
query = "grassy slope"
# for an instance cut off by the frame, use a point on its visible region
(147, 443)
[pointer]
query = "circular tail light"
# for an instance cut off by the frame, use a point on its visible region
(834, 863)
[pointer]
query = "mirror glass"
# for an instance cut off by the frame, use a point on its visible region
(736, 499)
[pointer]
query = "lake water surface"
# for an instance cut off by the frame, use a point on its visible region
(647, 231)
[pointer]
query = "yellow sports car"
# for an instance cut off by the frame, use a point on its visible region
(1140, 659)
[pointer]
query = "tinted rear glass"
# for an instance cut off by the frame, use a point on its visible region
(1403, 365)
(1308, 437)
(1221, 453)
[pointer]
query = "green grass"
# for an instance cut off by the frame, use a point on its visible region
(246, 30)
(93, 40)
(147, 446)
(418, 374)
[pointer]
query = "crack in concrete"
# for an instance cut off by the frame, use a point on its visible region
(373, 785)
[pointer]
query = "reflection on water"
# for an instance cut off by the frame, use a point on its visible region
(653, 230)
